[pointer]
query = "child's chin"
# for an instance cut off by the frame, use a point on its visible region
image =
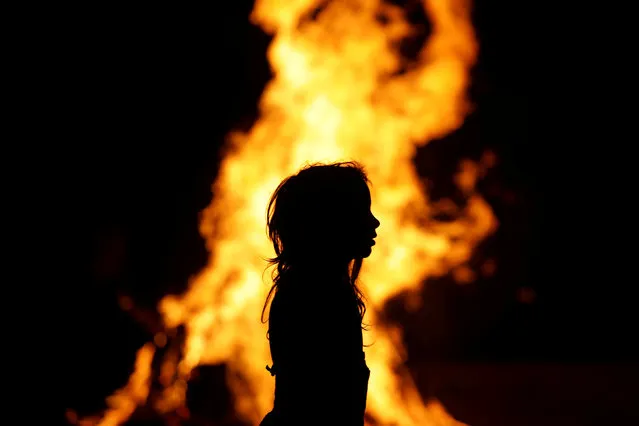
(366, 252)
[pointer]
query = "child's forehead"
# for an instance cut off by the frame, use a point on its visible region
(358, 191)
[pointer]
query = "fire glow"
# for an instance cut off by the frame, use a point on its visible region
(337, 94)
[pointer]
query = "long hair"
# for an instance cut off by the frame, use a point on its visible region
(305, 205)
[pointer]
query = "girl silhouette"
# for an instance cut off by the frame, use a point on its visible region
(321, 226)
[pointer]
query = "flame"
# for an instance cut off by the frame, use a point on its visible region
(340, 91)
(125, 400)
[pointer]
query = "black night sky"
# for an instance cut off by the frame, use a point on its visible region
(140, 100)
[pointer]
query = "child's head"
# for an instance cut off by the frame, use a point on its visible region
(322, 215)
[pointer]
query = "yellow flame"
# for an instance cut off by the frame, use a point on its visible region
(337, 94)
(125, 400)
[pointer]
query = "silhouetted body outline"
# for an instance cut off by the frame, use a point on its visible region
(321, 226)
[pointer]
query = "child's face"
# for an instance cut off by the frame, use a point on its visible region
(362, 232)
(343, 227)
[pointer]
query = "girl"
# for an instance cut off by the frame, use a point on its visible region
(321, 226)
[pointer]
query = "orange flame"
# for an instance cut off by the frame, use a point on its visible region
(337, 94)
(124, 401)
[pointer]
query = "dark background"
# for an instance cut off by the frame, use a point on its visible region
(139, 100)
